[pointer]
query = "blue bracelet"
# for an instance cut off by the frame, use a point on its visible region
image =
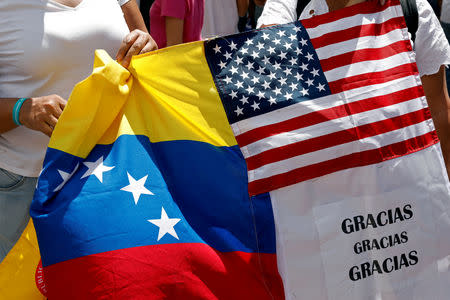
(16, 110)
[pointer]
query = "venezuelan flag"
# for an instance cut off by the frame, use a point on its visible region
(143, 193)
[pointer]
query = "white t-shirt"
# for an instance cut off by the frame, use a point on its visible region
(220, 18)
(431, 46)
(46, 48)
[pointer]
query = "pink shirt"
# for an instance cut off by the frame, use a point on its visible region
(191, 11)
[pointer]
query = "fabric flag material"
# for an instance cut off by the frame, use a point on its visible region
(18, 269)
(297, 161)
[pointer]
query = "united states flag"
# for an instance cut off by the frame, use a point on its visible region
(329, 93)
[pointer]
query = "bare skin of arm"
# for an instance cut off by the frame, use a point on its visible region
(138, 41)
(39, 113)
(435, 88)
(174, 31)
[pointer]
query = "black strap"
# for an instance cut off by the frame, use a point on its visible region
(409, 11)
(411, 16)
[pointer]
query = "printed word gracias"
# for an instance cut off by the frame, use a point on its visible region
(383, 218)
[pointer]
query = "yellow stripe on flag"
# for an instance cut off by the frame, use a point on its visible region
(181, 103)
(17, 270)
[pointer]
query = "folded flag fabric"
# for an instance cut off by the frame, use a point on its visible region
(297, 161)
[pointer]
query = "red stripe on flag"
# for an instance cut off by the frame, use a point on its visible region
(341, 163)
(365, 55)
(357, 32)
(336, 138)
(369, 7)
(362, 80)
(169, 271)
(324, 115)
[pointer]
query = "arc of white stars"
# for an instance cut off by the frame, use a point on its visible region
(166, 225)
(96, 168)
(136, 187)
(65, 177)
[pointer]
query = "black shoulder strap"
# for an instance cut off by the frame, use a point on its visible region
(411, 14)
(409, 11)
(301, 4)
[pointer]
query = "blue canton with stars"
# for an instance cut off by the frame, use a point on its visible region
(264, 70)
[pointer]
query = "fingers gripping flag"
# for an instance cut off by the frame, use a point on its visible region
(329, 183)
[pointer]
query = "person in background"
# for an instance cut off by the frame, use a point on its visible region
(46, 47)
(249, 11)
(221, 18)
(174, 22)
(430, 46)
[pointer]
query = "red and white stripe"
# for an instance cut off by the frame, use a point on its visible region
(377, 110)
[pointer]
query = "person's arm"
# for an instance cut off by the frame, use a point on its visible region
(435, 88)
(133, 16)
(138, 41)
(174, 31)
(37, 113)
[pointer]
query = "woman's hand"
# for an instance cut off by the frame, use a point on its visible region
(42, 113)
(136, 42)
